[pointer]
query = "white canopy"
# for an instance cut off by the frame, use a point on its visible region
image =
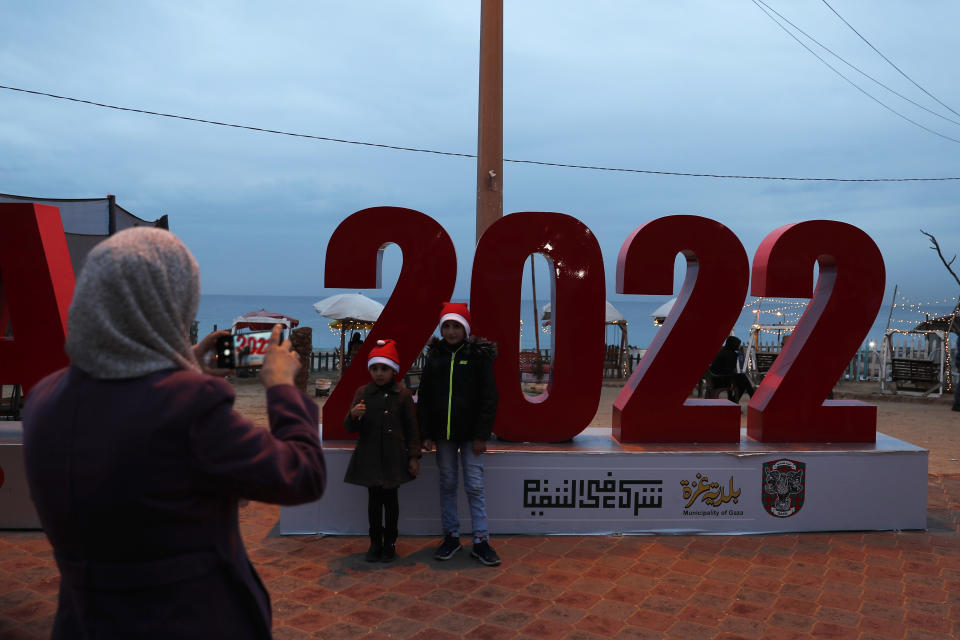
(349, 306)
(612, 316)
(660, 313)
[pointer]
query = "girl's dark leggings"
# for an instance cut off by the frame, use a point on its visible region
(383, 508)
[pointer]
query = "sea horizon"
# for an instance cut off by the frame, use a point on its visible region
(220, 310)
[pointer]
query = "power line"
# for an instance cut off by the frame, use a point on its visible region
(890, 62)
(856, 68)
(468, 155)
(760, 5)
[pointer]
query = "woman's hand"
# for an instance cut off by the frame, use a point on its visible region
(280, 364)
(426, 444)
(479, 446)
(413, 467)
(205, 353)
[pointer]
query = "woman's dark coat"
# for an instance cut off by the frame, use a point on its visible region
(388, 436)
(137, 483)
(472, 404)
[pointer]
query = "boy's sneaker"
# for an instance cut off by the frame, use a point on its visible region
(449, 547)
(483, 552)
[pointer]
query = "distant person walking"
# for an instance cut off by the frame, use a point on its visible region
(458, 403)
(388, 447)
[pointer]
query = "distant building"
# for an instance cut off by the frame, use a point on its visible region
(87, 221)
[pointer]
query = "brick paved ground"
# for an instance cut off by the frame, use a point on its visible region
(837, 585)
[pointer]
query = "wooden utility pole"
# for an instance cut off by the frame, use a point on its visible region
(490, 117)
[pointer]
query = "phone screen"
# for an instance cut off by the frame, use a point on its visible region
(251, 347)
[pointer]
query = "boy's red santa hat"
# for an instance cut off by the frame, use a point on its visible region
(385, 353)
(458, 312)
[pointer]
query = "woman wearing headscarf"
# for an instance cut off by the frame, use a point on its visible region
(136, 459)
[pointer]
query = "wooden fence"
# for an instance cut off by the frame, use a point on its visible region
(865, 364)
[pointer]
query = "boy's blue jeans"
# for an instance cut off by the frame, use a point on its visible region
(447, 455)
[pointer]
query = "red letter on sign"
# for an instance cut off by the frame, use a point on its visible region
(578, 311)
(652, 407)
(37, 278)
(789, 405)
(413, 310)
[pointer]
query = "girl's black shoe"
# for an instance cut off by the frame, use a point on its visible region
(375, 552)
(389, 553)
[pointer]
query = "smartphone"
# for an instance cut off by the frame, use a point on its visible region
(226, 353)
(244, 349)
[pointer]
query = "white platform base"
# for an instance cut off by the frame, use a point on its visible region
(16, 508)
(596, 486)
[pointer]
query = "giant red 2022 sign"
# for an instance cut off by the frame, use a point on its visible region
(789, 405)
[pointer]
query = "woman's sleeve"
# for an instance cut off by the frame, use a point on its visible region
(282, 465)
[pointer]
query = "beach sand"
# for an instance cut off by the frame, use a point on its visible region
(925, 422)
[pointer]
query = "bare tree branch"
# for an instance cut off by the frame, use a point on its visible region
(936, 246)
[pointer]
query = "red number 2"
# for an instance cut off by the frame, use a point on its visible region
(789, 405)
(652, 406)
(426, 281)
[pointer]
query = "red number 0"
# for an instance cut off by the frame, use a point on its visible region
(411, 314)
(652, 406)
(578, 309)
(789, 405)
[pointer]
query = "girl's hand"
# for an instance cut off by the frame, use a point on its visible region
(413, 467)
(479, 446)
(426, 444)
(357, 410)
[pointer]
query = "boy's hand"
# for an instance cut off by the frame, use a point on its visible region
(426, 444)
(357, 410)
(413, 467)
(479, 446)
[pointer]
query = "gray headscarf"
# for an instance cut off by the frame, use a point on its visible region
(133, 305)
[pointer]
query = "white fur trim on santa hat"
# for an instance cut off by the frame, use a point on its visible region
(456, 317)
(381, 360)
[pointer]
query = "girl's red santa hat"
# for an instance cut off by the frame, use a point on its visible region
(458, 312)
(385, 353)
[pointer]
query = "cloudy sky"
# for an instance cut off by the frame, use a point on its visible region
(681, 86)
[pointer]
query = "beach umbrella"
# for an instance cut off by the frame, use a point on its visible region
(348, 308)
(660, 314)
(611, 314)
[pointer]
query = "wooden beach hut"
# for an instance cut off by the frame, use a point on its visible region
(917, 361)
(616, 356)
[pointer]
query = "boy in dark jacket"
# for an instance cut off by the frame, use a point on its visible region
(457, 402)
(388, 447)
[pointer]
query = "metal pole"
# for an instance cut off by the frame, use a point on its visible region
(893, 302)
(536, 310)
(490, 117)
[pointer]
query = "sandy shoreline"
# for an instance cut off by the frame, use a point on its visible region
(925, 422)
